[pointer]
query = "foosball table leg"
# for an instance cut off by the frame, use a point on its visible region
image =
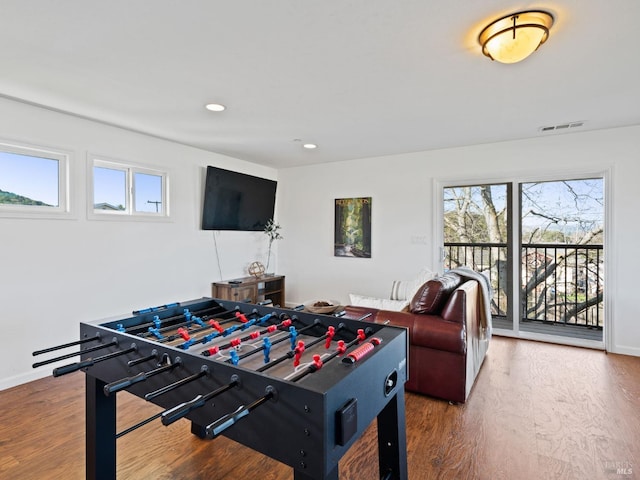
(100, 431)
(392, 439)
(198, 430)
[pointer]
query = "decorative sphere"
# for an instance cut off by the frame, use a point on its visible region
(256, 269)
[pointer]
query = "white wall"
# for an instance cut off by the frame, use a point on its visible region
(57, 273)
(402, 191)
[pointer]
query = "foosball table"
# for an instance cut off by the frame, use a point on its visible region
(298, 387)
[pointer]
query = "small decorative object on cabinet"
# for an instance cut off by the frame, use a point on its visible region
(256, 269)
(251, 289)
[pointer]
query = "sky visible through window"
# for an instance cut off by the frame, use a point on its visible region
(575, 203)
(569, 206)
(37, 180)
(33, 177)
(148, 192)
(109, 187)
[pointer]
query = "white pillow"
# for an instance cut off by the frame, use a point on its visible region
(406, 289)
(379, 303)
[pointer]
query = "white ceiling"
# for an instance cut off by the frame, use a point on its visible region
(360, 78)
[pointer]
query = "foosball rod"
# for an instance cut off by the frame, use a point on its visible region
(189, 342)
(285, 323)
(292, 353)
(74, 354)
(172, 386)
(236, 341)
(70, 344)
(126, 382)
(73, 367)
(314, 367)
(214, 350)
(137, 361)
(327, 337)
(179, 411)
(216, 428)
(189, 322)
(254, 335)
(204, 371)
(138, 425)
(143, 326)
(185, 333)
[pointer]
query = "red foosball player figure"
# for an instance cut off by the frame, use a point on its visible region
(299, 350)
(331, 331)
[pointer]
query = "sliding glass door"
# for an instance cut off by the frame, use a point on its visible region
(477, 234)
(545, 262)
(562, 258)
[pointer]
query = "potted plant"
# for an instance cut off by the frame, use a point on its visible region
(271, 229)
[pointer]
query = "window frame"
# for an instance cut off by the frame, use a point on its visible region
(131, 169)
(64, 159)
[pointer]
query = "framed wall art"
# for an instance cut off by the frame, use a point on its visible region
(352, 236)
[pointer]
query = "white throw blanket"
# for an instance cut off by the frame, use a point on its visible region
(487, 293)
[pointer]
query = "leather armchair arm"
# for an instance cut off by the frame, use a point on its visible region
(430, 331)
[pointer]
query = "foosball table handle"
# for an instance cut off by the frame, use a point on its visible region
(220, 425)
(72, 367)
(124, 383)
(182, 410)
(216, 428)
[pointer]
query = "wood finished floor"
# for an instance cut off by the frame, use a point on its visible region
(537, 411)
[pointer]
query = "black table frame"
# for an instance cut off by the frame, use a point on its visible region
(388, 409)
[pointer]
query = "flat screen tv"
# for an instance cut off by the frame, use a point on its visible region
(237, 201)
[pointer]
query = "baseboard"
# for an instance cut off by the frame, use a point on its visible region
(16, 380)
(624, 350)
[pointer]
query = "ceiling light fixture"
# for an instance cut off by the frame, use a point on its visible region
(309, 146)
(514, 37)
(215, 107)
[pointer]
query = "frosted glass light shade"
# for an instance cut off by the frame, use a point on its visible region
(513, 38)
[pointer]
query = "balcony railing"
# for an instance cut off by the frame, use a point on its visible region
(560, 284)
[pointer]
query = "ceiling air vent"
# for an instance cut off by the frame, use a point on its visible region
(562, 126)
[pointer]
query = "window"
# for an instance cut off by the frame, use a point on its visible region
(33, 181)
(124, 190)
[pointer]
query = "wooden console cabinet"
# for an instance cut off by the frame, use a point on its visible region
(251, 289)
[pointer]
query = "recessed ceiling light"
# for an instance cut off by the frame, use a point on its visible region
(215, 107)
(309, 146)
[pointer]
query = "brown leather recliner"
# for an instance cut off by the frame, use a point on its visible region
(448, 335)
